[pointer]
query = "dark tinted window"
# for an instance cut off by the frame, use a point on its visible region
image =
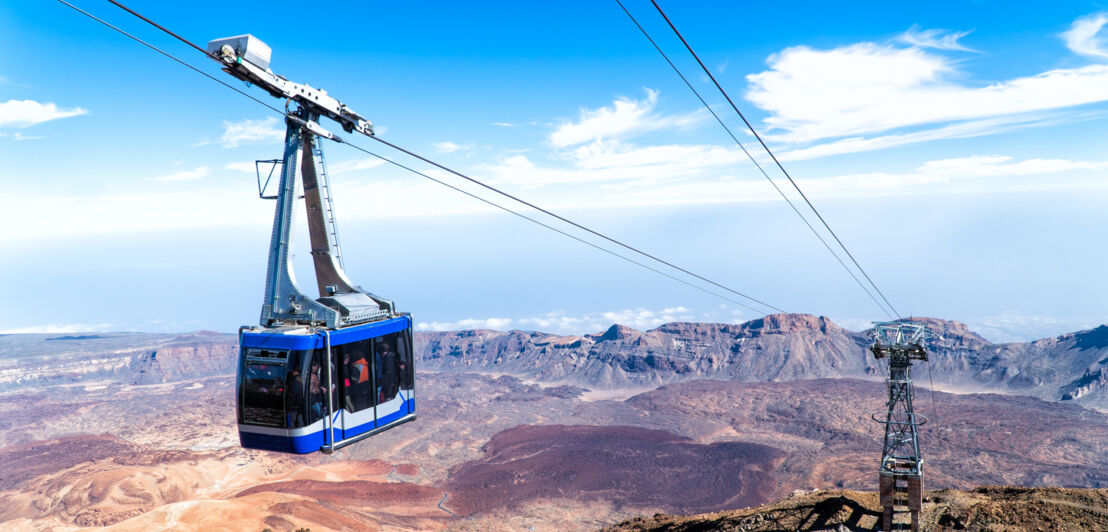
(387, 356)
(296, 389)
(357, 370)
(317, 386)
(264, 393)
(407, 368)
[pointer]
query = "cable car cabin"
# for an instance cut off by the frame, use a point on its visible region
(316, 374)
(305, 389)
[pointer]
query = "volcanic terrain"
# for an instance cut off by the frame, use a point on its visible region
(136, 432)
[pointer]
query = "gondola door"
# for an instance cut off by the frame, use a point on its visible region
(324, 393)
(357, 387)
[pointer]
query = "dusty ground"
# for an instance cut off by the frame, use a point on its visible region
(165, 456)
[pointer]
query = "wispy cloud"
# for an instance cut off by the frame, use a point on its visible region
(10, 83)
(934, 38)
(116, 213)
(251, 131)
(596, 148)
(18, 136)
(1084, 38)
(61, 328)
(1017, 326)
(449, 147)
(868, 88)
(25, 113)
(625, 118)
(560, 322)
(248, 167)
(354, 165)
(614, 162)
(184, 175)
(979, 173)
(960, 130)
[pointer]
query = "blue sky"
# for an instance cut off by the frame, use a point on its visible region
(956, 148)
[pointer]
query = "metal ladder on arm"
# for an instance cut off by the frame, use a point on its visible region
(328, 203)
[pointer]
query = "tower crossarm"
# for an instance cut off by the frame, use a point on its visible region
(247, 58)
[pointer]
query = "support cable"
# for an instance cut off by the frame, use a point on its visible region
(571, 222)
(552, 228)
(774, 157)
(167, 54)
(160, 27)
(755, 161)
(426, 160)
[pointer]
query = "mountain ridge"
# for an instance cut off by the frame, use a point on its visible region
(1069, 367)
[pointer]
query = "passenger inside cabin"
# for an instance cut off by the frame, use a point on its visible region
(315, 392)
(350, 401)
(293, 399)
(389, 381)
(359, 376)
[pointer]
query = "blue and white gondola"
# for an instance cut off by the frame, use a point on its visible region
(286, 397)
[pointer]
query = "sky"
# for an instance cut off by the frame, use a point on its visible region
(956, 148)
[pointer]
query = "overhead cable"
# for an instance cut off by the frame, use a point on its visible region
(473, 180)
(571, 222)
(755, 161)
(552, 228)
(772, 156)
(167, 54)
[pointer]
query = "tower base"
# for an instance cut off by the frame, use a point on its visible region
(904, 492)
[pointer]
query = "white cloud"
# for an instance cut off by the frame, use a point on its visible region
(249, 168)
(560, 322)
(468, 323)
(116, 213)
(354, 165)
(60, 328)
(503, 124)
(934, 38)
(965, 175)
(616, 162)
(251, 131)
(184, 175)
(19, 136)
(979, 173)
(1016, 326)
(968, 129)
(25, 113)
(1083, 37)
(624, 118)
(869, 88)
(449, 147)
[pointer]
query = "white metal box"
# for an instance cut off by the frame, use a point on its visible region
(248, 47)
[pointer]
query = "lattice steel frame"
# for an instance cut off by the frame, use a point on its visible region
(901, 466)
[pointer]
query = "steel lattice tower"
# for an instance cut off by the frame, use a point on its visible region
(901, 469)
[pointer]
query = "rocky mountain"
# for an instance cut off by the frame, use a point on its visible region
(778, 347)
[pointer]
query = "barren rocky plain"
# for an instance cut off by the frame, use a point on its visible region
(524, 430)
